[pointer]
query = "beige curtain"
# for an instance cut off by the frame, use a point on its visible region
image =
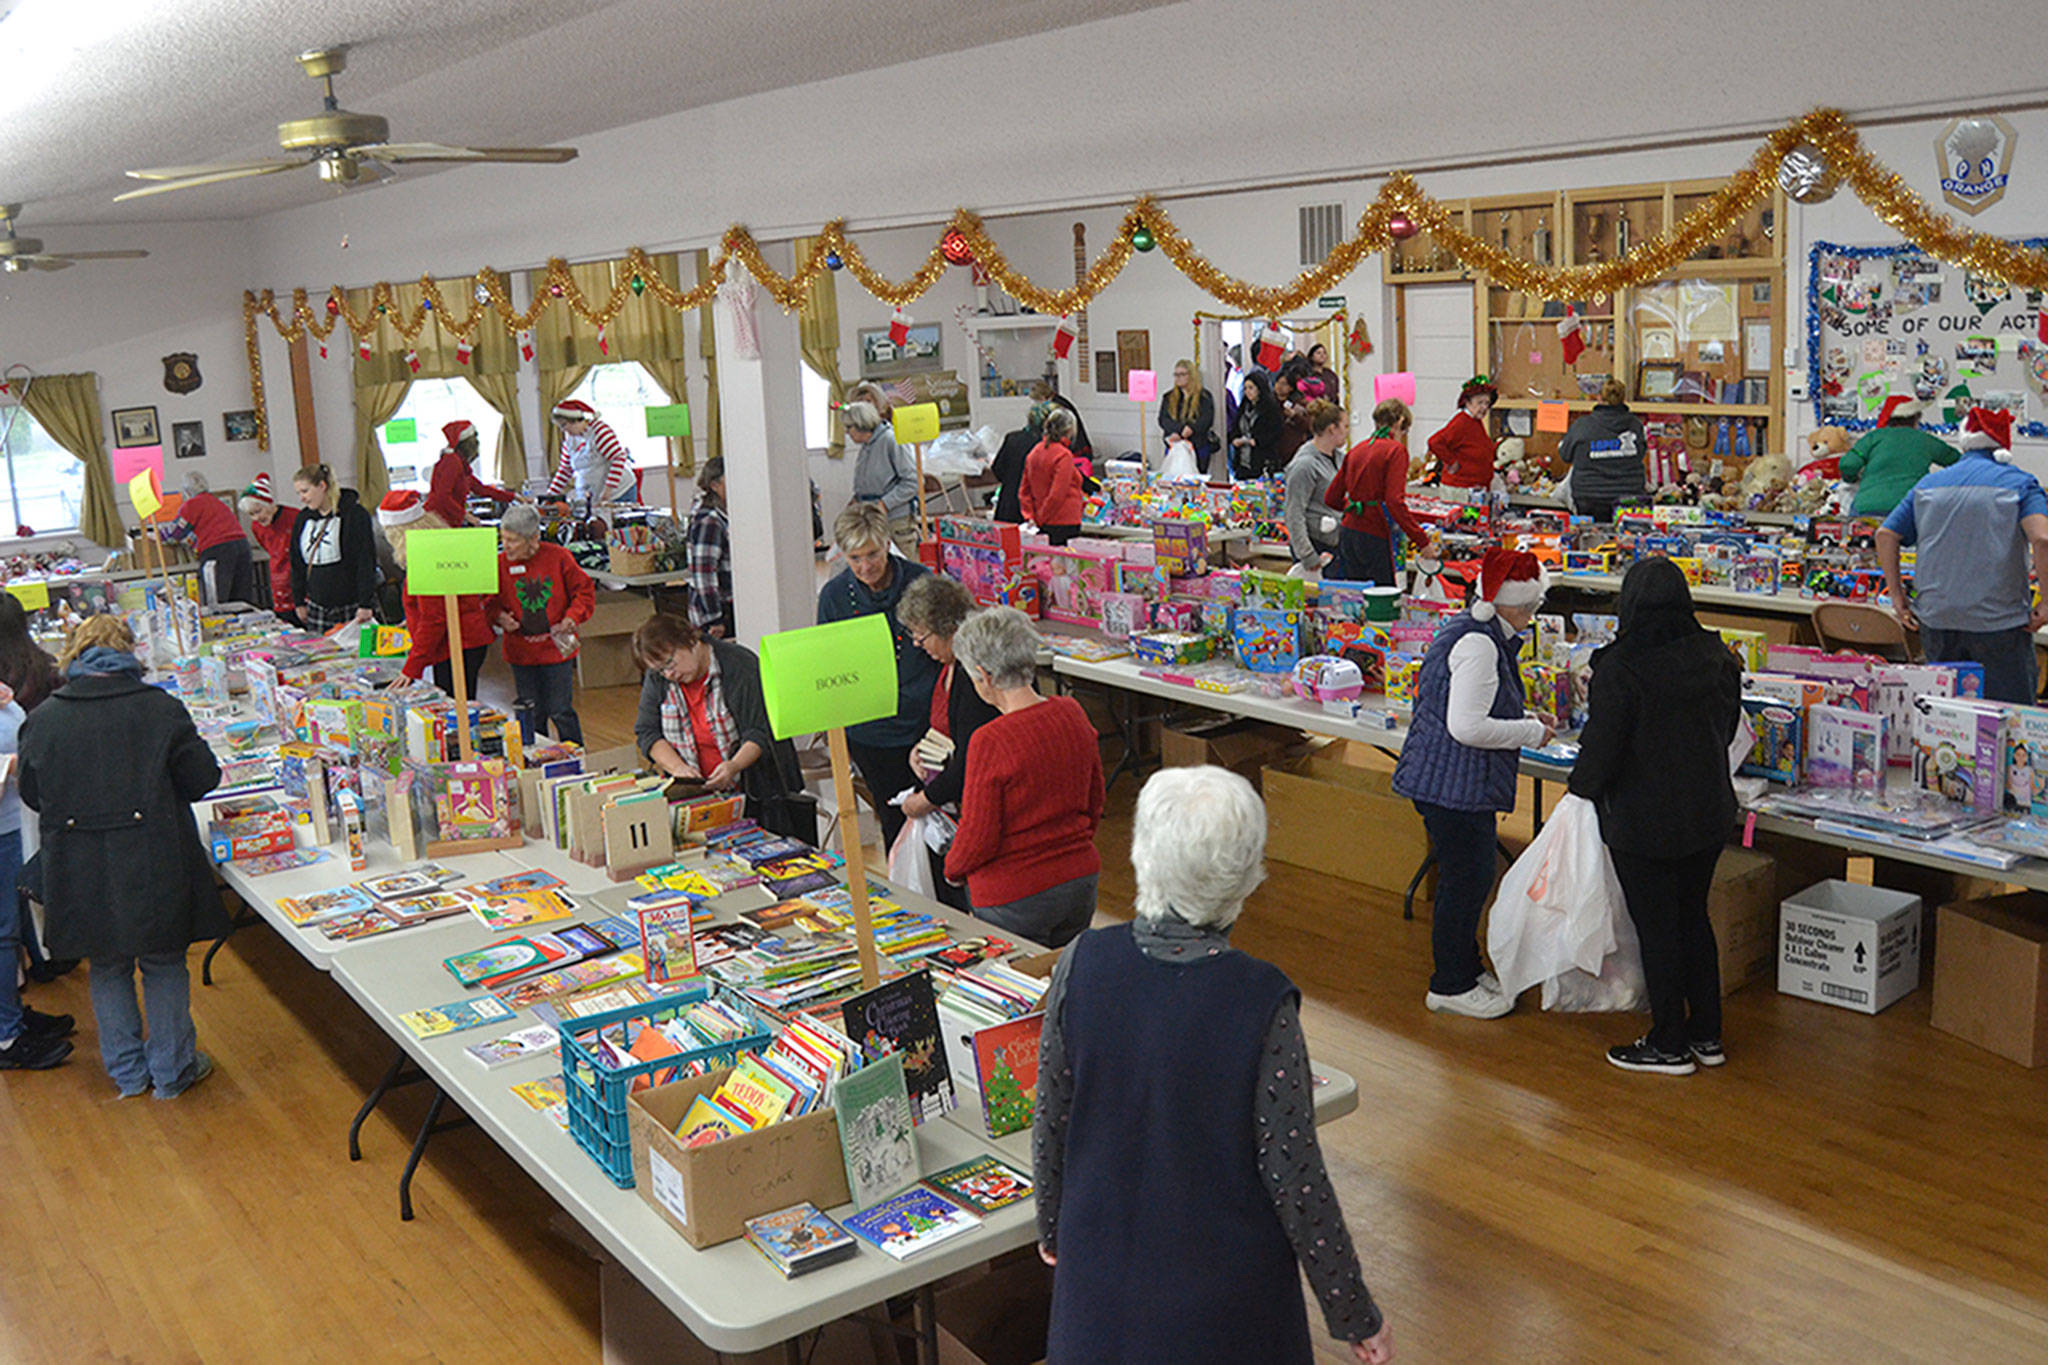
(501, 391)
(707, 347)
(555, 385)
(818, 335)
(645, 328)
(496, 350)
(375, 404)
(68, 407)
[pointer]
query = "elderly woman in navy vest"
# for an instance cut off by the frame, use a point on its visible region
(1459, 767)
(1179, 1180)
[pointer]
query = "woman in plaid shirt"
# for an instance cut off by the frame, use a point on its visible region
(710, 563)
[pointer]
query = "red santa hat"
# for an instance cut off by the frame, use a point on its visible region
(401, 506)
(1987, 429)
(573, 410)
(259, 489)
(453, 432)
(1508, 578)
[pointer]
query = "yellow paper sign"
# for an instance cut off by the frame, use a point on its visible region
(916, 423)
(32, 593)
(438, 561)
(142, 491)
(830, 676)
(1553, 417)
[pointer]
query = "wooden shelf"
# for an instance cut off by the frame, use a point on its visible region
(1643, 405)
(1428, 277)
(1003, 322)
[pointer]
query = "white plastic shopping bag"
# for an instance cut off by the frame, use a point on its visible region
(1560, 919)
(1180, 460)
(909, 868)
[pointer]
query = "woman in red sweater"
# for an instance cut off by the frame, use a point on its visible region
(1051, 492)
(1033, 796)
(1463, 447)
(543, 595)
(272, 528)
(426, 617)
(1371, 490)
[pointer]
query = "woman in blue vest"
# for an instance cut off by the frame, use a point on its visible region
(1459, 767)
(1179, 1180)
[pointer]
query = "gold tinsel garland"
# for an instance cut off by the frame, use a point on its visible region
(1882, 190)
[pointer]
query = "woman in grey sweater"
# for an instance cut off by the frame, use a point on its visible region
(1311, 526)
(883, 472)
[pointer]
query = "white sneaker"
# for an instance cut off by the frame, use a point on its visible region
(1481, 1002)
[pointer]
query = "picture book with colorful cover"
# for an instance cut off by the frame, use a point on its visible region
(431, 906)
(1007, 1058)
(754, 1091)
(911, 1222)
(902, 1016)
(570, 979)
(398, 885)
(1845, 748)
(537, 1040)
(546, 1096)
(506, 910)
(455, 1017)
(875, 1132)
(504, 961)
(667, 942)
(324, 905)
(522, 883)
(799, 1239)
(982, 1185)
(708, 1121)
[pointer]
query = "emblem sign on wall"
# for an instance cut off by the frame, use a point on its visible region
(1893, 320)
(1975, 155)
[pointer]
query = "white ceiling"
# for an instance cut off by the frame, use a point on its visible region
(209, 80)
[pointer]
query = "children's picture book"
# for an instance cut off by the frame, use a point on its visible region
(875, 1130)
(755, 1092)
(322, 906)
(902, 1016)
(398, 885)
(536, 1040)
(1007, 1057)
(264, 864)
(546, 1096)
(455, 1017)
(982, 1185)
(667, 941)
(709, 1121)
(799, 1239)
(1845, 748)
(911, 1222)
(570, 979)
(505, 961)
(506, 910)
(522, 883)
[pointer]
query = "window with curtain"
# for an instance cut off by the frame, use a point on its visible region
(622, 394)
(429, 405)
(45, 483)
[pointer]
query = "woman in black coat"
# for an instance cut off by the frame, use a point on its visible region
(113, 766)
(1009, 463)
(1665, 703)
(1255, 438)
(933, 609)
(1188, 413)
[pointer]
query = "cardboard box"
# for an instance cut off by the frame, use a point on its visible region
(1243, 746)
(1849, 945)
(1991, 975)
(1743, 907)
(999, 1318)
(1317, 806)
(708, 1193)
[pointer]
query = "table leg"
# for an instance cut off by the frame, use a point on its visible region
(1536, 816)
(1415, 882)
(242, 920)
(434, 1124)
(927, 1327)
(394, 1077)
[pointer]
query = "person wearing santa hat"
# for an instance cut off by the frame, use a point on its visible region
(592, 464)
(272, 528)
(426, 614)
(1462, 446)
(1974, 525)
(1886, 463)
(454, 480)
(1460, 766)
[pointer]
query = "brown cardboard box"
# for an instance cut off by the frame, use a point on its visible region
(708, 1193)
(1743, 907)
(1343, 820)
(1243, 746)
(999, 1318)
(606, 657)
(1991, 975)
(1801, 862)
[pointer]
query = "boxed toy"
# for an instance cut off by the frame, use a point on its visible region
(1264, 589)
(1774, 747)
(1892, 697)
(1267, 640)
(1022, 592)
(1170, 647)
(2027, 761)
(1177, 615)
(1403, 672)
(1959, 751)
(1748, 646)
(1182, 545)
(1071, 583)
(1845, 748)
(1124, 614)
(1320, 678)
(249, 827)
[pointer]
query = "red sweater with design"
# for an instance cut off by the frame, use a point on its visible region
(538, 595)
(1031, 803)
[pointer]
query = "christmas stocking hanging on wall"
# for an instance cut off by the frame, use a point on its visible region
(739, 297)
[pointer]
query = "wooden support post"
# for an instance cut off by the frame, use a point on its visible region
(923, 525)
(163, 571)
(856, 857)
(459, 676)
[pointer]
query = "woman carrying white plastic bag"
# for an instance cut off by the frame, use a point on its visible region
(1663, 709)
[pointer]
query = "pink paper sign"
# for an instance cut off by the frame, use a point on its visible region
(132, 460)
(1400, 385)
(1142, 385)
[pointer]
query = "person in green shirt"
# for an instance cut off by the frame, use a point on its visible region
(1888, 461)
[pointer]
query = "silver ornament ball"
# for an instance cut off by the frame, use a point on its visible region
(1805, 176)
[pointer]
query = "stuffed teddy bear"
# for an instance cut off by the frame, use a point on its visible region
(1826, 441)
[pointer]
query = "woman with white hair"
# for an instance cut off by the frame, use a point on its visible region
(227, 569)
(1033, 792)
(1179, 1178)
(543, 596)
(882, 472)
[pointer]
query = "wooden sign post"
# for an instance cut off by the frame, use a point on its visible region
(146, 493)
(827, 678)
(671, 420)
(1143, 386)
(914, 425)
(462, 561)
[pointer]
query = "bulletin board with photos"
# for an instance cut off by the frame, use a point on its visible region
(1885, 320)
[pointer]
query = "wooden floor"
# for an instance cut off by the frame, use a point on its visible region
(1846, 1189)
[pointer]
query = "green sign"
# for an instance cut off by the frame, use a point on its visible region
(672, 419)
(438, 561)
(828, 677)
(404, 431)
(1330, 301)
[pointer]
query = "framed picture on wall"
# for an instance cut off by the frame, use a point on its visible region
(881, 358)
(136, 427)
(188, 439)
(1756, 345)
(239, 426)
(1108, 378)
(1133, 352)
(1657, 380)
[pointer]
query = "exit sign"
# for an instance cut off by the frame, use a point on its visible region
(1330, 301)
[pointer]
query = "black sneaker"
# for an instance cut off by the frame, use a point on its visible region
(36, 1023)
(1709, 1054)
(1640, 1056)
(32, 1052)
(50, 969)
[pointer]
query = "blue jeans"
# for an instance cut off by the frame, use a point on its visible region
(547, 692)
(167, 1055)
(1464, 843)
(2007, 655)
(10, 934)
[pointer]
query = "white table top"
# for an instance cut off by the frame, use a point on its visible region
(1290, 711)
(604, 578)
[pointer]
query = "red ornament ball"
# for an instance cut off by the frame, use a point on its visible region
(555, 290)
(333, 305)
(953, 246)
(1401, 227)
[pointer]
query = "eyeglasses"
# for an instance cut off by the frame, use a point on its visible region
(918, 637)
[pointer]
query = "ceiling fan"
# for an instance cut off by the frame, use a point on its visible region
(26, 253)
(345, 148)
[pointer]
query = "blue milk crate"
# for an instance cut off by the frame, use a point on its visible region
(597, 1092)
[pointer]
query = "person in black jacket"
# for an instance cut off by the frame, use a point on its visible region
(1255, 437)
(1665, 703)
(932, 610)
(125, 881)
(1009, 463)
(334, 553)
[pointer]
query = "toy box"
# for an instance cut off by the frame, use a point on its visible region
(1177, 615)
(1896, 687)
(1071, 583)
(1182, 545)
(1267, 640)
(1746, 645)
(1774, 748)
(1959, 751)
(1022, 593)
(2026, 768)
(1263, 589)
(1845, 748)
(1403, 675)
(249, 827)
(1321, 677)
(1124, 614)
(1170, 647)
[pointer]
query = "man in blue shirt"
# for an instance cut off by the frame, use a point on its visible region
(1974, 524)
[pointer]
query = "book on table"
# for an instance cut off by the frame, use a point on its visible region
(902, 1016)
(911, 1222)
(875, 1131)
(982, 1185)
(535, 1040)
(1006, 1057)
(454, 1017)
(799, 1239)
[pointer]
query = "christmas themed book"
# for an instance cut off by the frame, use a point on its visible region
(902, 1016)
(982, 1185)
(799, 1239)
(911, 1222)
(875, 1132)
(1007, 1058)
(455, 1017)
